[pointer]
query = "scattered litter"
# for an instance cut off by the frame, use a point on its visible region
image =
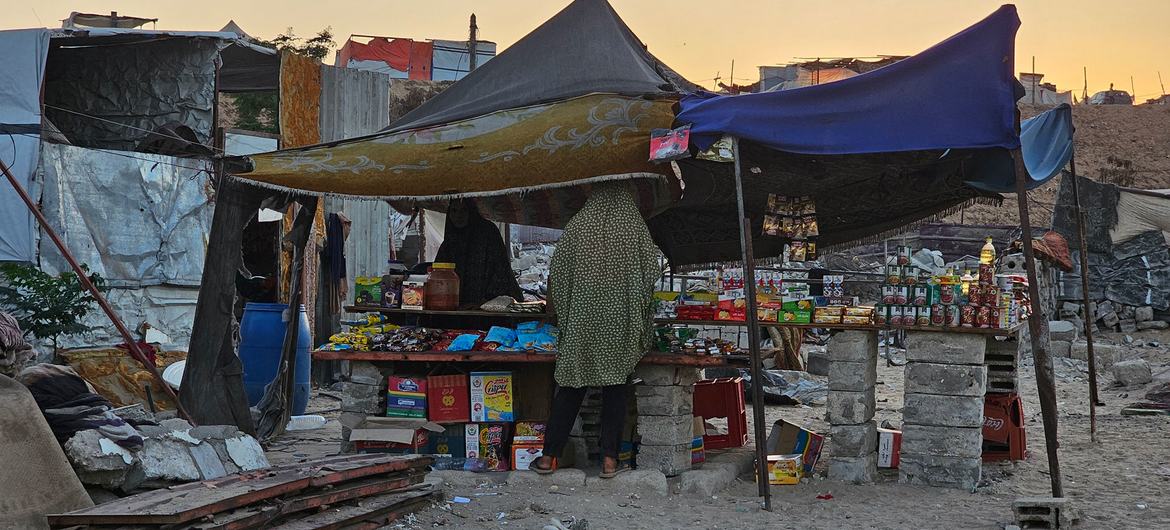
(461, 500)
(500, 516)
(825, 497)
(1142, 505)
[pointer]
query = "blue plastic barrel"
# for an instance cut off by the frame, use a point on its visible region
(261, 337)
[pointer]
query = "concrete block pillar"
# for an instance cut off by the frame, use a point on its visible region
(665, 400)
(942, 435)
(853, 436)
(362, 394)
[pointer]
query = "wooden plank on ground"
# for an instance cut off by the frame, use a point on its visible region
(373, 512)
(196, 500)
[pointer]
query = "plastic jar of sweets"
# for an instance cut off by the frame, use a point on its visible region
(442, 287)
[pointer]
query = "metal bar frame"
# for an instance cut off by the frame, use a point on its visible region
(1094, 398)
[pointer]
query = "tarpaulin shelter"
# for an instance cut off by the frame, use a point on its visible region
(431, 60)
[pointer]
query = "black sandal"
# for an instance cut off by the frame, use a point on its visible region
(545, 470)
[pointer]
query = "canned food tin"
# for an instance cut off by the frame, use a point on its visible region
(922, 316)
(983, 317)
(967, 315)
(889, 294)
(893, 274)
(895, 319)
(946, 294)
(974, 295)
(920, 296)
(904, 253)
(990, 295)
(902, 294)
(986, 274)
(953, 316)
(937, 315)
(881, 315)
(909, 275)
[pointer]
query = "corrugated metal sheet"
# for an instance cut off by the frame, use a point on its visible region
(353, 103)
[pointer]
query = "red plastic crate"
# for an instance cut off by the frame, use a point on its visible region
(722, 398)
(1003, 414)
(1016, 447)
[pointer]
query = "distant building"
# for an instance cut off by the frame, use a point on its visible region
(1164, 99)
(818, 72)
(421, 60)
(1038, 93)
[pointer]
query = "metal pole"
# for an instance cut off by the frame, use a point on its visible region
(1089, 316)
(131, 344)
(1038, 327)
(753, 325)
(473, 45)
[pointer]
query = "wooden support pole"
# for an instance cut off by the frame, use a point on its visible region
(131, 344)
(753, 325)
(1089, 316)
(1038, 327)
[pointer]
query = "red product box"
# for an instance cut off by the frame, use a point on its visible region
(407, 385)
(448, 398)
(889, 447)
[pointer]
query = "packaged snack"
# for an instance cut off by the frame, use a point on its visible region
(414, 291)
(367, 290)
(856, 320)
(821, 318)
(785, 469)
(529, 432)
(523, 455)
(859, 311)
(491, 396)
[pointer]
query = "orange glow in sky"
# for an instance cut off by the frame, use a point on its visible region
(1114, 40)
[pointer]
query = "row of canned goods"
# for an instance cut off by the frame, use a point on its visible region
(942, 316)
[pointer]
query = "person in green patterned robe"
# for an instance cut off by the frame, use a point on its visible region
(601, 288)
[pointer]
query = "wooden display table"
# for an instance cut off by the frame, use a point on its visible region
(661, 359)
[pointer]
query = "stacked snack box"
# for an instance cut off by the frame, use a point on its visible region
(491, 397)
(487, 445)
(406, 397)
(448, 398)
(527, 443)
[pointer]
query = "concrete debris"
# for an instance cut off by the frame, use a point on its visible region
(1132, 373)
(1062, 330)
(1152, 324)
(173, 452)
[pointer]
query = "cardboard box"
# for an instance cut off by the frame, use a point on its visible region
(785, 470)
(367, 290)
(449, 443)
(698, 452)
(523, 455)
(407, 385)
(491, 397)
(529, 432)
(448, 398)
(392, 435)
(889, 447)
(488, 443)
(789, 439)
(406, 397)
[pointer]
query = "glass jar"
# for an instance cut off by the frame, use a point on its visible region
(442, 287)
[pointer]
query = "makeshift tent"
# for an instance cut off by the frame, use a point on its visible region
(1046, 141)
(572, 102)
(20, 118)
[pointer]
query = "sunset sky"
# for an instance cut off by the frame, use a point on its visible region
(1114, 40)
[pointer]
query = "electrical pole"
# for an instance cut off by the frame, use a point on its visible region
(472, 44)
(1085, 93)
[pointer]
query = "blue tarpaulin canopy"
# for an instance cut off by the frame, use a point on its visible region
(1047, 145)
(959, 94)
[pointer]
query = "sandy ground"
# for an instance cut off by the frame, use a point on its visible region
(1121, 481)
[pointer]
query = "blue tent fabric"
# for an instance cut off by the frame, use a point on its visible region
(959, 94)
(1047, 145)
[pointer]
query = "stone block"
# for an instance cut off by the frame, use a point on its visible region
(852, 441)
(1062, 330)
(850, 408)
(945, 348)
(219, 432)
(1128, 325)
(642, 481)
(246, 453)
(946, 379)
(853, 346)
(366, 373)
(666, 430)
(1110, 320)
(1105, 355)
(1153, 324)
(707, 481)
(743, 458)
(168, 459)
(1060, 348)
(665, 400)
(220, 447)
(655, 375)
(671, 460)
(942, 441)
(817, 362)
(1143, 313)
(943, 411)
(368, 399)
(207, 460)
(851, 376)
(97, 460)
(175, 424)
(1132, 373)
(857, 470)
(940, 471)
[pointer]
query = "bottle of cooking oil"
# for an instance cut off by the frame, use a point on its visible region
(987, 254)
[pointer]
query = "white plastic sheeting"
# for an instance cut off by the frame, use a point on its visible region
(137, 219)
(23, 64)
(1139, 213)
(168, 309)
(451, 60)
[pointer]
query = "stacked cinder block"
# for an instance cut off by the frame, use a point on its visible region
(587, 427)
(364, 394)
(665, 423)
(1002, 359)
(942, 437)
(853, 433)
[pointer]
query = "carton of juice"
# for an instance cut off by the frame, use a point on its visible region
(491, 397)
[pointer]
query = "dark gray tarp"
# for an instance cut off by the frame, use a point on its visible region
(1135, 273)
(1099, 202)
(249, 68)
(586, 48)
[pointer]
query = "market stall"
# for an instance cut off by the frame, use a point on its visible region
(573, 104)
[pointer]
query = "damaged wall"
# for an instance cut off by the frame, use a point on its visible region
(136, 219)
(141, 85)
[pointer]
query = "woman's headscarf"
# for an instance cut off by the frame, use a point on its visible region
(482, 262)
